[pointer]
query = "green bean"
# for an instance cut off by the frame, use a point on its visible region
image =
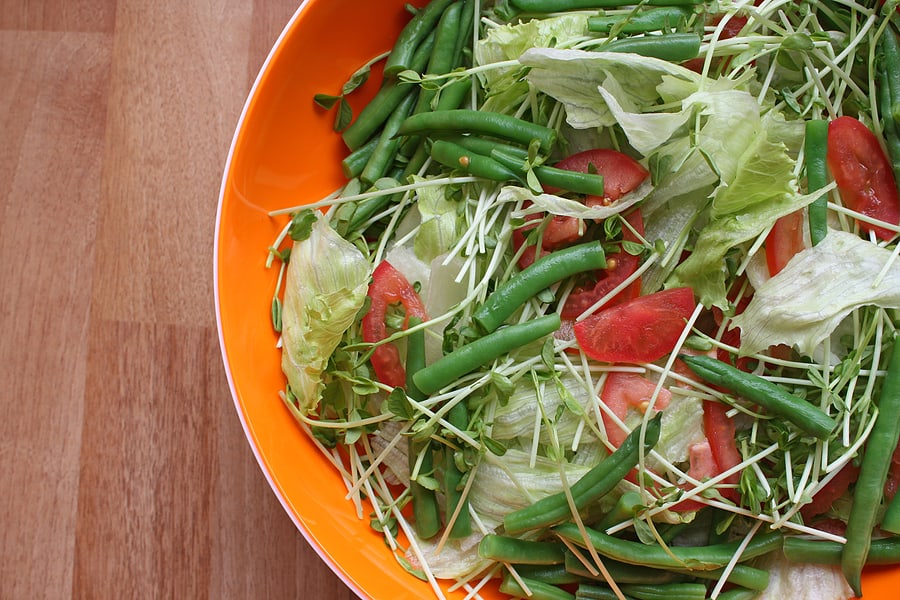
(890, 393)
(668, 591)
(598, 592)
(543, 272)
(484, 123)
(765, 393)
(354, 163)
(550, 6)
(640, 22)
(486, 147)
(627, 506)
(457, 157)
(469, 357)
(738, 594)
(411, 37)
(453, 95)
(701, 558)
(742, 575)
(888, 92)
(424, 501)
(537, 590)
(883, 551)
(621, 572)
(815, 148)
(873, 471)
(593, 485)
(572, 181)
(385, 102)
(673, 47)
(553, 574)
(517, 551)
(453, 476)
(386, 149)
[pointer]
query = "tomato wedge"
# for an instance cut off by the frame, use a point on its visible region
(620, 266)
(622, 391)
(863, 174)
(784, 241)
(389, 286)
(640, 330)
(621, 173)
(719, 430)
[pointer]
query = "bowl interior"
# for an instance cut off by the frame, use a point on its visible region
(286, 153)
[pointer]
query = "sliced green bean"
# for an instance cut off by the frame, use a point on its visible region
(480, 122)
(424, 501)
(517, 551)
(572, 181)
(738, 594)
(621, 572)
(742, 575)
(411, 37)
(873, 470)
(668, 591)
(710, 557)
(536, 590)
(673, 47)
(654, 19)
(457, 157)
(888, 94)
(598, 592)
(473, 355)
(553, 574)
(548, 269)
(354, 163)
(592, 486)
(550, 6)
(453, 477)
(379, 109)
(627, 506)
(815, 150)
(882, 551)
(386, 149)
(773, 397)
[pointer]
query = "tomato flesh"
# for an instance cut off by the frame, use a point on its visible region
(640, 330)
(784, 241)
(621, 173)
(863, 174)
(389, 286)
(620, 266)
(624, 391)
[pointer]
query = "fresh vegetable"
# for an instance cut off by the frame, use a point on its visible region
(618, 282)
(389, 286)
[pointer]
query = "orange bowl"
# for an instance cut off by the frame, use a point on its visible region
(284, 153)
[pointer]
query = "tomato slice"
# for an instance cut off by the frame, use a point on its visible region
(784, 241)
(720, 430)
(621, 173)
(624, 391)
(620, 266)
(863, 174)
(641, 330)
(389, 286)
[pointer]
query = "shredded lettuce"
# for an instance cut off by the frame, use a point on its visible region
(804, 303)
(327, 279)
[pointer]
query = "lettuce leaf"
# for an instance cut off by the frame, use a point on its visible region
(804, 303)
(327, 279)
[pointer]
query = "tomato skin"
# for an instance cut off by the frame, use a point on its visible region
(640, 330)
(389, 286)
(784, 241)
(621, 173)
(621, 265)
(863, 174)
(720, 430)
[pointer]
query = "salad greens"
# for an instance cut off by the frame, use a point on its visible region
(705, 231)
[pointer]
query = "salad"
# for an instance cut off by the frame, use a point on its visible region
(608, 305)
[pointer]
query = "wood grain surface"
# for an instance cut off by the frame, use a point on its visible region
(125, 473)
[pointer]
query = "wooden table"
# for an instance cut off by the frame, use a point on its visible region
(125, 473)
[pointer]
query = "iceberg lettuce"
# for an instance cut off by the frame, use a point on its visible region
(327, 279)
(805, 302)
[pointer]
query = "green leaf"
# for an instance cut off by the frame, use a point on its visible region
(399, 406)
(548, 354)
(276, 313)
(428, 482)
(301, 224)
(798, 41)
(344, 116)
(356, 80)
(326, 101)
(409, 76)
(494, 447)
